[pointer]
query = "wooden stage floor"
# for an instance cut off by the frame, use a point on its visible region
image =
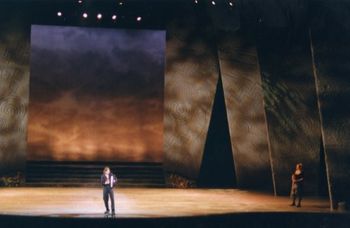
(146, 202)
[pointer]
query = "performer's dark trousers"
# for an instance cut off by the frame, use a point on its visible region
(108, 193)
(298, 193)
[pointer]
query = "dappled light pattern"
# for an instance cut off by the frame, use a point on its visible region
(291, 106)
(14, 79)
(190, 84)
(245, 110)
(332, 70)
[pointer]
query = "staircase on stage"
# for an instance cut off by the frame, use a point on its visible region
(83, 173)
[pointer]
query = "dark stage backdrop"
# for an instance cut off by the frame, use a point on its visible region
(192, 72)
(331, 56)
(14, 80)
(245, 109)
(96, 94)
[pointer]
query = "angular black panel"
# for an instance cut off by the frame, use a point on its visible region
(217, 169)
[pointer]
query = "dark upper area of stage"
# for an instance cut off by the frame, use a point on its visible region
(155, 14)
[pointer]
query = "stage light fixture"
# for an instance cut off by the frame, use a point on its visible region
(213, 3)
(59, 14)
(139, 19)
(80, 1)
(85, 15)
(230, 3)
(121, 3)
(99, 16)
(114, 17)
(196, 1)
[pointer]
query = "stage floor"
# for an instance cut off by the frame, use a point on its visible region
(146, 202)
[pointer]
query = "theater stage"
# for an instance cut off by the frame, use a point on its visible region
(146, 202)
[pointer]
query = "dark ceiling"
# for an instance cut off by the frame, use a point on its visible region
(224, 14)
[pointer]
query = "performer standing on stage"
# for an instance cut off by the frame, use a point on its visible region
(297, 184)
(108, 180)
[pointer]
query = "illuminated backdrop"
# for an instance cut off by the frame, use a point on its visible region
(96, 94)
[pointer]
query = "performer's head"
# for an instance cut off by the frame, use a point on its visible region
(299, 166)
(106, 170)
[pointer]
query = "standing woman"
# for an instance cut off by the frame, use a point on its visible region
(108, 180)
(297, 184)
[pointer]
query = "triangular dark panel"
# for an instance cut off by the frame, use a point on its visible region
(217, 169)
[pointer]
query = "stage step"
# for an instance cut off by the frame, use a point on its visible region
(87, 174)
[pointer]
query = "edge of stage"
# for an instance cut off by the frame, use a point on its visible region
(147, 207)
(244, 219)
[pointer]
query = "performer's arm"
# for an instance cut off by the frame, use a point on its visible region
(293, 178)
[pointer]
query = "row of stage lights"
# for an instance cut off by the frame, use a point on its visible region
(213, 2)
(230, 3)
(99, 16)
(114, 17)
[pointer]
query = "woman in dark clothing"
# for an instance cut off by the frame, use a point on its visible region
(108, 181)
(297, 184)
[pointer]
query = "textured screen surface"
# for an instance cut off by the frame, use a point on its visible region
(96, 94)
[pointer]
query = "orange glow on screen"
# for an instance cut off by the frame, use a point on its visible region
(123, 130)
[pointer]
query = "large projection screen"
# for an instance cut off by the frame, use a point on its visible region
(96, 94)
